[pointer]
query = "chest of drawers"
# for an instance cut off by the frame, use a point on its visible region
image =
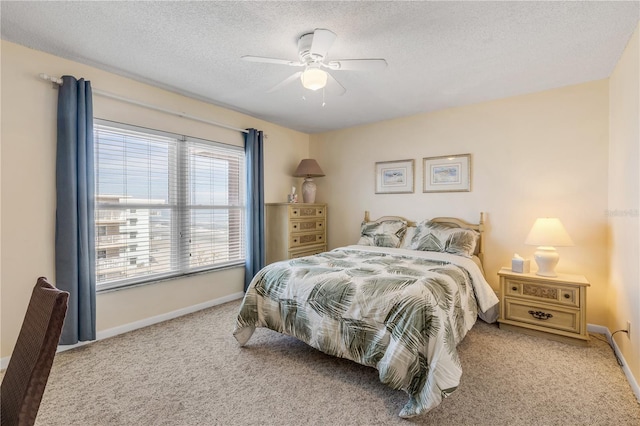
(551, 307)
(295, 230)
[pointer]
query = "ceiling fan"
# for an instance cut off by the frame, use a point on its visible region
(312, 51)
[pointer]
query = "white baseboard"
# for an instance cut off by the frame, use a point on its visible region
(625, 367)
(104, 334)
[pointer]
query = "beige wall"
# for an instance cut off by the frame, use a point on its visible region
(624, 201)
(544, 154)
(28, 183)
(0, 200)
(537, 155)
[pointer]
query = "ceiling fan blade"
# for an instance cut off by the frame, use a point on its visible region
(357, 64)
(334, 87)
(271, 60)
(322, 41)
(286, 81)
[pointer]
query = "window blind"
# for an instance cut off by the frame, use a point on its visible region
(213, 219)
(165, 204)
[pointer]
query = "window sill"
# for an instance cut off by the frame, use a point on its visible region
(108, 288)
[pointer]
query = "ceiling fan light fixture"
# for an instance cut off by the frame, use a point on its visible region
(314, 78)
(313, 48)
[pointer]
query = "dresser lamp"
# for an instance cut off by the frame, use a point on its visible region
(308, 169)
(547, 233)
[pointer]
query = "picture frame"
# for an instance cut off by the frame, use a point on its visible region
(447, 173)
(394, 177)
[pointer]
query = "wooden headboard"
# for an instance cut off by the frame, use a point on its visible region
(451, 221)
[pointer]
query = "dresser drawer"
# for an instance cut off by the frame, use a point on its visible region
(307, 251)
(542, 315)
(306, 225)
(562, 295)
(305, 239)
(296, 212)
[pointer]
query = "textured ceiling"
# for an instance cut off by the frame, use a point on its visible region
(439, 54)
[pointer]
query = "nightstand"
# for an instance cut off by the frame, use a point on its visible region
(555, 308)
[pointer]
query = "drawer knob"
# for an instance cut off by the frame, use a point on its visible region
(514, 288)
(540, 315)
(567, 296)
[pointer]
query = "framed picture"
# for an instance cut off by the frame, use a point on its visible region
(394, 177)
(449, 173)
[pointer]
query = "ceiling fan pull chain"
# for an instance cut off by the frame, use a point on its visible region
(323, 102)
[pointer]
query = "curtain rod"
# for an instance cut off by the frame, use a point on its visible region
(58, 81)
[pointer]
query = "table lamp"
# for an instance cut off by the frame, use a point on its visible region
(308, 169)
(547, 233)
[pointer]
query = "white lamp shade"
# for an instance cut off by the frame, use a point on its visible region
(550, 232)
(314, 78)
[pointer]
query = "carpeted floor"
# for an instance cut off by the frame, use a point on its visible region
(191, 371)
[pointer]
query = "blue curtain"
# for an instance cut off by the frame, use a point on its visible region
(255, 204)
(75, 233)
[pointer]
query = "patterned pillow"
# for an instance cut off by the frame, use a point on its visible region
(408, 236)
(432, 236)
(387, 233)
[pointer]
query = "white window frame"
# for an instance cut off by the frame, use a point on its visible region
(180, 211)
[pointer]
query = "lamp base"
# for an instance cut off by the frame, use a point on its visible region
(547, 258)
(309, 191)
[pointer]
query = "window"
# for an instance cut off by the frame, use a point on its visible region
(180, 199)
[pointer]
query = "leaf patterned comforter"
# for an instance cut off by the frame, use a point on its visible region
(400, 311)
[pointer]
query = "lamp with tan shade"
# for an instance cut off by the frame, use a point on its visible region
(308, 169)
(547, 233)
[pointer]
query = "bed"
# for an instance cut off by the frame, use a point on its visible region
(399, 301)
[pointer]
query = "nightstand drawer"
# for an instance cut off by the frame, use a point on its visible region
(542, 292)
(542, 315)
(306, 211)
(305, 239)
(306, 225)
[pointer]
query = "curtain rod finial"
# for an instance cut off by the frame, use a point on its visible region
(47, 77)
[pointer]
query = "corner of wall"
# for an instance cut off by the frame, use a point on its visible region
(623, 213)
